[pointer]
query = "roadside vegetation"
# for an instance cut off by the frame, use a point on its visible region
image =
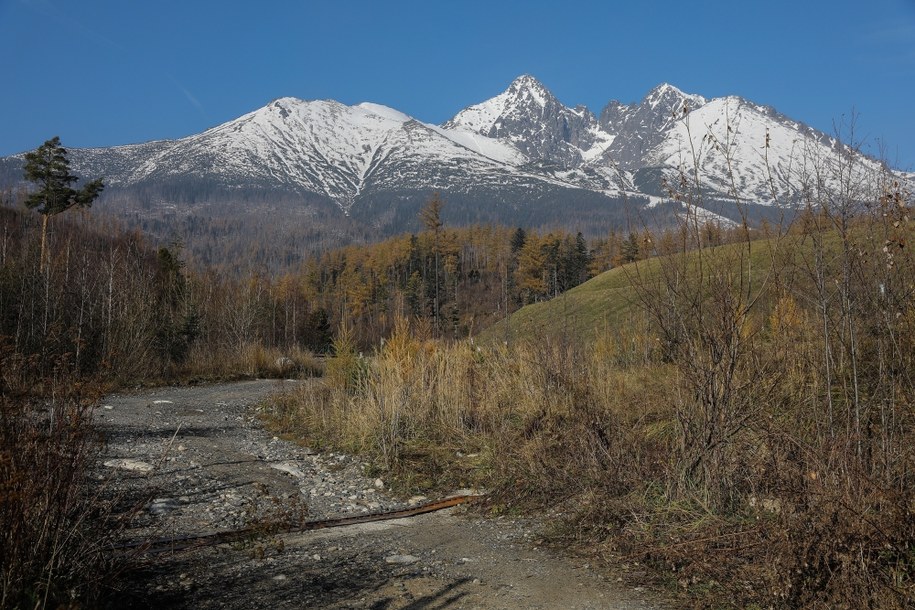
(98, 310)
(738, 417)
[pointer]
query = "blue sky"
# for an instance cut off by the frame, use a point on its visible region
(101, 73)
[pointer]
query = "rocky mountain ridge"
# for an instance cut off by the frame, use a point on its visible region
(521, 157)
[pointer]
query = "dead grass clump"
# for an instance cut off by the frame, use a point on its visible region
(53, 530)
(539, 423)
(249, 360)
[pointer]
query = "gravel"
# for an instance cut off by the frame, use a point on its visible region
(195, 460)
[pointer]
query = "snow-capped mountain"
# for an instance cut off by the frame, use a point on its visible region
(521, 157)
(322, 147)
(529, 117)
(637, 128)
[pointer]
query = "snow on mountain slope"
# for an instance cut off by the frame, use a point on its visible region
(750, 150)
(319, 146)
(520, 145)
(497, 150)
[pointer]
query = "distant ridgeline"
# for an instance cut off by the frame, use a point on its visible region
(295, 177)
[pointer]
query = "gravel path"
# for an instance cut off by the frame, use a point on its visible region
(195, 460)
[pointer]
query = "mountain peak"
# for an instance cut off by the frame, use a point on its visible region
(529, 116)
(524, 96)
(526, 86)
(672, 98)
(666, 88)
(528, 80)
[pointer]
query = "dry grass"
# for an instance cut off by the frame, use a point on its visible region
(755, 450)
(509, 418)
(249, 360)
(55, 528)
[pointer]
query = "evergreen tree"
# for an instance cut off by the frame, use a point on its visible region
(49, 169)
(177, 320)
(629, 250)
(414, 294)
(319, 335)
(432, 221)
(518, 239)
(581, 260)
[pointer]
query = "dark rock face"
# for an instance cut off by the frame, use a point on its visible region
(541, 127)
(640, 127)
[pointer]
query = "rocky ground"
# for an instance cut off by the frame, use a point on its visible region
(194, 460)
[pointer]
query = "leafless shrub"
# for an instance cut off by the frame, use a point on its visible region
(55, 528)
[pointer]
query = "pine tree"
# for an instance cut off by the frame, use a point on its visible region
(432, 221)
(518, 239)
(629, 250)
(177, 321)
(49, 168)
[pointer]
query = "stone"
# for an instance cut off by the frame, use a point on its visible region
(129, 464)
(401, 559)
(289, 468)
(160, 506)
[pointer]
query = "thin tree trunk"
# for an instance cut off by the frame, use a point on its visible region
(44, 235)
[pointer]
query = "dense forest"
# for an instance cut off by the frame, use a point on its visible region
(112, 302)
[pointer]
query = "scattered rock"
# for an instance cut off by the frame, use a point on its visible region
(401, 559)
(160, 506)
(289, 468)
(129, 464)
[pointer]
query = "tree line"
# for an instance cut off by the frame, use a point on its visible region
(107, 300)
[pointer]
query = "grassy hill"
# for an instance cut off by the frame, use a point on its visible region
(611, 299)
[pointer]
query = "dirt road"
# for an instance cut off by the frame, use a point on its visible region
(197, 460)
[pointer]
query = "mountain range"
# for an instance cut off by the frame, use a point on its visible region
(520, 158)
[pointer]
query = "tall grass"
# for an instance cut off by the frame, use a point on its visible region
(511, 417)
(250, 360)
